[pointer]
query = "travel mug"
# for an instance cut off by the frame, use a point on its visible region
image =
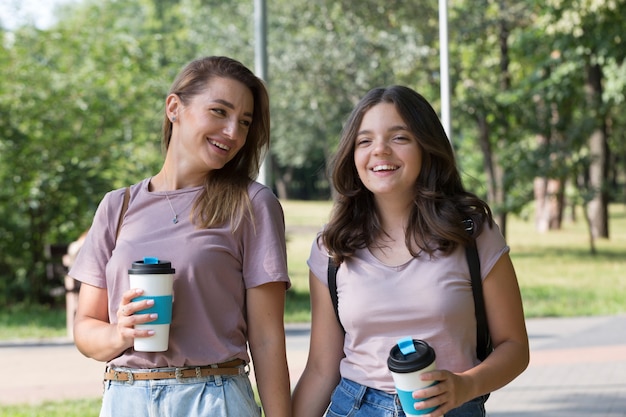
(409, 359)
(156, 278)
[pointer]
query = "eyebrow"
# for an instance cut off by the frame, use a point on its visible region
(391, 129)
(230, 105)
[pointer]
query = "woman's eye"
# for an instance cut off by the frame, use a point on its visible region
(246, 123)
(219, 111)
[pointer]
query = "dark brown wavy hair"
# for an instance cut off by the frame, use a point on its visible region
(440, 202)
(225, 195)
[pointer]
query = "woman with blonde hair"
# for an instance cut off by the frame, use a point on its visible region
(224, 235)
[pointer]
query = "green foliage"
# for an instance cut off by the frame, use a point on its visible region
(324, 56)
(81, 102)
(82, 110)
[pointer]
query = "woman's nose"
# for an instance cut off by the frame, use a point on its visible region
(232, 129)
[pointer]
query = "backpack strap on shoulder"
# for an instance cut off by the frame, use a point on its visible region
(332, 287)
(483, 338)
(123, 212)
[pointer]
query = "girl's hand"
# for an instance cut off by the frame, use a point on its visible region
(451, 391)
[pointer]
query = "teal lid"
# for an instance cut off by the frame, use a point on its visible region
(406, 345)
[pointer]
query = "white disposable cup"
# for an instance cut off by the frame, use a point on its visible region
(156, 280)
(406, 370)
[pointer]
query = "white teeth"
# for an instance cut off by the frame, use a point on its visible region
(220, 145)
(384, 168)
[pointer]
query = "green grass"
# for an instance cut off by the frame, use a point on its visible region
(558, 277)
(71, 408)
(31, 322)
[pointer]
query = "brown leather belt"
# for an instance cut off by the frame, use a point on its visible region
(234, 367)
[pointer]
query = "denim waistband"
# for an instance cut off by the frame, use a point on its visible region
(362, 394)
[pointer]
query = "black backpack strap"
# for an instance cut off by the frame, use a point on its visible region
(483, 339)
(332, 287)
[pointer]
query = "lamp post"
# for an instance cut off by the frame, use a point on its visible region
(260, 64)
(444, 68)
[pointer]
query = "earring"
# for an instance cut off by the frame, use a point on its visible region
(173, 119)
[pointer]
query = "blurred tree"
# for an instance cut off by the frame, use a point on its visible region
(324, 56)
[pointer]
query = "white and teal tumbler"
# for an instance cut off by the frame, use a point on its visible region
(409, 359)
(156, 278)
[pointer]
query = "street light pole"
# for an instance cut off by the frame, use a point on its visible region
(260, 64)
(444, 68)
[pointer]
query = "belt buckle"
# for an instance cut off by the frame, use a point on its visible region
(131, 377)
(178, 372)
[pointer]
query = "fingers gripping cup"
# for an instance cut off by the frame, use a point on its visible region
(156, 278)
(407, 360)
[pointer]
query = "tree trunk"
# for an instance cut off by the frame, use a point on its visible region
(597, 207)
(281, 181)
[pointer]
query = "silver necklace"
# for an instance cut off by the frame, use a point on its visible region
(167, 196)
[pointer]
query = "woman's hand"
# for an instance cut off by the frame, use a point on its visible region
(95, 336)
(127, 319)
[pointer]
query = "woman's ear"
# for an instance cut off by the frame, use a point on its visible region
(172, 106)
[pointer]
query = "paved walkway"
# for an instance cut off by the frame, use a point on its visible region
(577, 368)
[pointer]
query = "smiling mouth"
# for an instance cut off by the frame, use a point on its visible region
(219, 145)
(380, 168)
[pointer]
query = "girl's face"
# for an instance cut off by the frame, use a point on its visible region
(213, 126)
(387, 156)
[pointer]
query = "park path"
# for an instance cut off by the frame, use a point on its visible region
(577, 368)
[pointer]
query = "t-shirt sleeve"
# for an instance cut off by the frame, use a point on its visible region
(265, 251)
(318, 260)
(91, 261)
(491, 246)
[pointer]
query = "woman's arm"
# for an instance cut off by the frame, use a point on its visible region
(321, 374)
(94, 336)
(266, 333)
(505, 315)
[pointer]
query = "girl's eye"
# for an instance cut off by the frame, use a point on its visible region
(362, 141)
(246, 123)
(401, 139)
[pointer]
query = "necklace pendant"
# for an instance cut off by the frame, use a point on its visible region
(175, 219)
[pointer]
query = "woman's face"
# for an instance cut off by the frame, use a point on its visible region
(387, 156)
(211, 128)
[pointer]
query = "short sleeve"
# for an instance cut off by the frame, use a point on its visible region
(318, 260)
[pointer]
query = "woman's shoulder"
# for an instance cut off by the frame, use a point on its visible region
(115, 196)
(261, 193)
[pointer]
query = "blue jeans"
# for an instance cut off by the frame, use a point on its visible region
(351, 399)
(211, 396)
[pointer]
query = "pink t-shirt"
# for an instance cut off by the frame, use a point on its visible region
(214, 267)
(428, 299)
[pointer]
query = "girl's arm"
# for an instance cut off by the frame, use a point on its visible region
(321, 374)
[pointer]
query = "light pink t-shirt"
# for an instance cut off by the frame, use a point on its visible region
(214, 267)
(428, 299)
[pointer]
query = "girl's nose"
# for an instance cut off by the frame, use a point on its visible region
(381, 146)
